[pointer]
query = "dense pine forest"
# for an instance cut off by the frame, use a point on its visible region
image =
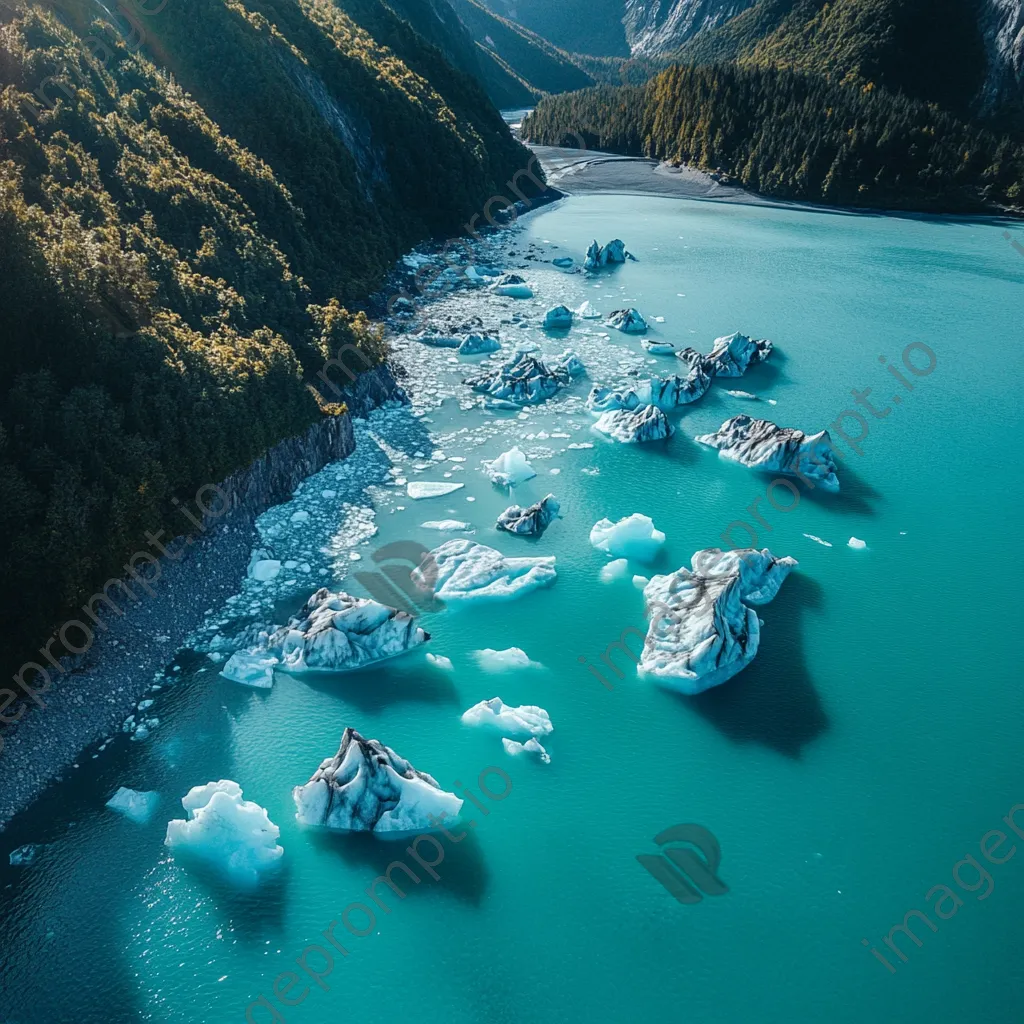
(189, 203)
(795, 135)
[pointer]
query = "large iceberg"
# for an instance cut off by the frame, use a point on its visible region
(526, 380)
(648, 423)
(462, 570)
(702, 629)
(253, 667)
(479, 344)
(633, 537)
(509, 469)
(599, 256)
(666, 393)
(734, 354)
(233, 835)
(760, 444)
(335, 632)
(629, 321)
(558, 319)
(532, 521)
(136, 806)
(528, 720)
(512, 286)
(367, 787)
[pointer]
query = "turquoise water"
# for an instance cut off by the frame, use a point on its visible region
(871, 745)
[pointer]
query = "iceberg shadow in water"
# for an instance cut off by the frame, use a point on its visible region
(773, 701)
(463, 872)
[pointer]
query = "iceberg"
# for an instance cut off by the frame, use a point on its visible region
(702, 629)
(253, 667)
(648, 423)
(734, 354)
(435, 340)
(136, 806)
(658, 348)
(629, 321)
(509, 469)
(367, 787)
(666, 393)
(499, 661)
(531, 748)
(446, 525)
(233, 835)
(570, 363)
(760, 444)
(614, 570)
(512, 286)
(24, 855)
(566, 263)
(335, 632)
(532, 521)
(526, 380)
(558, 319)
(856, 543)
(440, 661)
(527, 720)
(478, 344)
(599, 256)
(633, 537)
(420, 489)
(587, 311)
(467, 571)
(743, 394)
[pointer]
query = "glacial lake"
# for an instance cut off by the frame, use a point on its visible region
(872, 744)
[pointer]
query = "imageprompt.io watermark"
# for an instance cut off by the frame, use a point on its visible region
(685, 873)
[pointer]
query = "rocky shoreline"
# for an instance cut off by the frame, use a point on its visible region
(101, 688)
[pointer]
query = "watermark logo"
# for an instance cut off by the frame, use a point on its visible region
(689, 874)
(406, 578)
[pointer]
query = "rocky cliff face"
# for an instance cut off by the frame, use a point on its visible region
(661, 26)
(1003, 30)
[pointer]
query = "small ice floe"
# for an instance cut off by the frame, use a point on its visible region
(263, 569)
(734, 354)
(760, 444)
(479, 344)
(637, 426)
(512, 286)
(641, 581)
(629, 321)
(579, 446)
(818, 540)
(564, 263)
(771, 401)
(419, 489)
(24, 855)
(614, 570)
(302, 516)
(857, 544)
(527, 720)
(335, 632)
(440, 661)
(559, 318)
(532, 521)
(659, 319)
(744, 394)
(232, 835)
(531, 747)
(658, 348)
(587, 311)
(367, 787)
(509, 469)
(500, 661)
(446, 525)
(254, 667)
(137, 806)
(633, 537)
(462, 570)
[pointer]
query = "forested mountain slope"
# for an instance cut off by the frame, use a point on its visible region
(185, 206)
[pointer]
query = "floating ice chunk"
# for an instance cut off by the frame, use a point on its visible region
(744, 394)
(253, 667)
(532, 521)
(418, 489)
(857, 544)
(640, 582)
(510, 469)
(599, 256)
(614, 570)
(734, 354)
(528, 720)
(564, 263)
(559, 318)
(335, 632)
(658, 348)
(531, 747)
(512, 286)
(666, 393)
(302, 516)
(648, 423)
(233, 835)
(499, 661)
(136, 806)
(462, 570)
(24, 855)
(587, 311)
(633, 537)
(264, 570)
(440, 661)
(479, 344)
(367, 787)
(522, 380)
(446, 525)
(760, 444)
(629, 321)
(580, 446)
(817, 540)
(702, 630)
